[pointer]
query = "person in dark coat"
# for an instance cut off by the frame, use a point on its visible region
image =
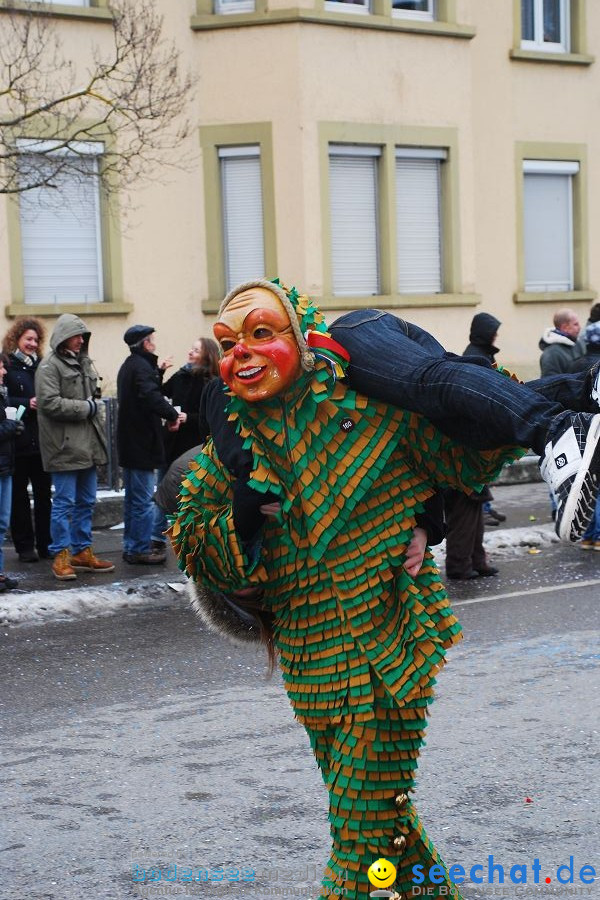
(466, 514)
(185, 389)
(140, 444)
(9, 429)
(482, 337)
(23, 344)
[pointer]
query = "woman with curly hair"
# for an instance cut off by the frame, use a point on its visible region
(23, 344)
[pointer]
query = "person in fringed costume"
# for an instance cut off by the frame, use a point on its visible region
(359, 640)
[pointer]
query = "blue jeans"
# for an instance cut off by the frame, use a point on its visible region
(72, 510)
(138, 510)
(159, 520)
(5, 501)
(593, 530)
(399, 363)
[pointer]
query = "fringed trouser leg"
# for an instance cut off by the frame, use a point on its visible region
(369, 768)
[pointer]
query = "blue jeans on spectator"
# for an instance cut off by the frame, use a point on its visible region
(593, 530)
(159, 520)
(138, 510)
(399, 363)
(5, 501)
(72, 510)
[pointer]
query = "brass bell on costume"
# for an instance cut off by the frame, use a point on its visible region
(401, 800)
(399, 843)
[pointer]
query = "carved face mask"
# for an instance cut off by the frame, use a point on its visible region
(261, 357)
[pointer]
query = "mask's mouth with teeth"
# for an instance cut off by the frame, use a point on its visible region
(250, 373)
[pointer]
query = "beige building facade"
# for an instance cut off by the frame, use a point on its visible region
(435, 158)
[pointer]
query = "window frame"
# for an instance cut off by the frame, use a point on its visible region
(429, 15)
(389, 138)
(379, 16)
(538, 44)
(109, 248)
(553, 153)
(213, 138)
(577, 39)
(93, 11)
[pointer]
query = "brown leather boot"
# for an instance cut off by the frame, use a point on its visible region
(86, 561)
(61, 567)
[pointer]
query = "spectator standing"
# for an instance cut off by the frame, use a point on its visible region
(23, 344)
(9, 429)
(482, 340)
(185, 388)
(72, 444)
(591, 337)
(140, 444)
(559, 344)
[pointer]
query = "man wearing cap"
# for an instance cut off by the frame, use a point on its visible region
(142, 406)
(72, 444)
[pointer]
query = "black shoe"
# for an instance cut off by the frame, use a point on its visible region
(489, 520)
(151, 558)
(571, 469)
(487, 571)
(466, 577)
(29, 556)
(494, 514)
(7, 583)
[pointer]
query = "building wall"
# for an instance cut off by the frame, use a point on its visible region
(305, 78)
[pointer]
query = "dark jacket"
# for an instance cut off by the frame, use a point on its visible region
(20, 381)
(185, 389)
(71, 431)
(559, 352)
(483, 329)
(8, 430)
(141, 408)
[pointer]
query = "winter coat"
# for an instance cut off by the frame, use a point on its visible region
(71, 433)
(559, 352)
(8, 430)
(20, 381)
(141, 408)
(185, 389)
(483, 329)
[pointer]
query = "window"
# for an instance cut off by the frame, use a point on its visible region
(353, 185)
(349, 6)
(419, 220)
(414, 9)
(545, 25)
(243, 220)
(225, 7)
(61, 243)
(69, 2)
(548, 224)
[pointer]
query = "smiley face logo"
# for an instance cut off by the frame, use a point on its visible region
(382, 873)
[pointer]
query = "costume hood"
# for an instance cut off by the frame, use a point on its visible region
(308, 325)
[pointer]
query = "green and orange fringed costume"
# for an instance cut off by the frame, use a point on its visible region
(359, 640)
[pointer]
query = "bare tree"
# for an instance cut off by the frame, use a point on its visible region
(131, 96)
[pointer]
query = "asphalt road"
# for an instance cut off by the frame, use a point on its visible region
(141, 740)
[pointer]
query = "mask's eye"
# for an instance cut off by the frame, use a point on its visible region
(226, 345)
(262, 333)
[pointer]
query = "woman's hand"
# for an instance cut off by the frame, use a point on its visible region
(415, 552)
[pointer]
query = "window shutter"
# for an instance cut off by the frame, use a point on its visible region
(548, 231)
(418, 225)
(354, 222)
(243, 230)
(225, 7)
(60, 237)
(70, 2)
